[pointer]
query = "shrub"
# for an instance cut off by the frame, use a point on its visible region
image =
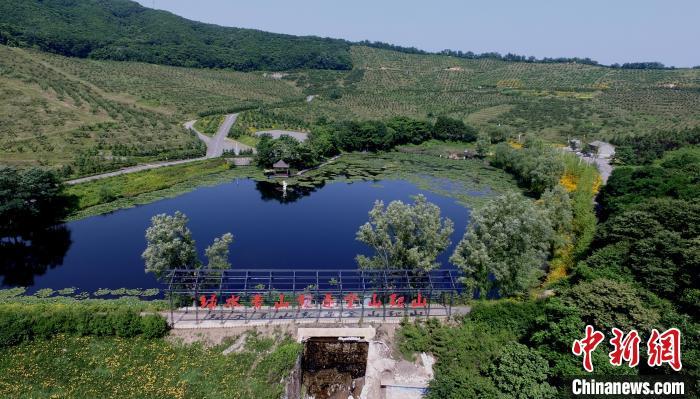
(51, 321)
(19, 323)
(153, 326)
(100, 324)
(14, 328)
(126, 323)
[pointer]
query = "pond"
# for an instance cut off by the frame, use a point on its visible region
(306, 229)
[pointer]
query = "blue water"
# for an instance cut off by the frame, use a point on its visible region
(311, 231)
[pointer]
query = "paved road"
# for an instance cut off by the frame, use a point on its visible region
(191, 317)
(602, 164)
(219, 143)
(137, 168)
(215, 148)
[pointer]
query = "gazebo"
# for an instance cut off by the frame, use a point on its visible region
(281, 168)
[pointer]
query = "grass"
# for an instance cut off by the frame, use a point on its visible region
(248, 140)
(124, 191)
(209, 125)
(101, 367)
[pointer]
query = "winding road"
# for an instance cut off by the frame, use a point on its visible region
(216, 146)
(219, 143)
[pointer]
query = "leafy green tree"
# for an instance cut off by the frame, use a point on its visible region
(453, 129)
(521, 373)
(322, 139)
(285, 148)
(557, 207)
(504, 246)
(405, 236)
(552, 336)
(170, 245)
(483, 144)
(217, 253)
(406, 130)
(655, 243)
(30, 200)
(537, 166)
(606, 303)
(264, 151)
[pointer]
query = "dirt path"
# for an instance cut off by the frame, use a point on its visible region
(215, 148)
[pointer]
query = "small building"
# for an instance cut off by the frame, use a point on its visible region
(575, 145)
(281, 168)
(470, 154)
(601, 149)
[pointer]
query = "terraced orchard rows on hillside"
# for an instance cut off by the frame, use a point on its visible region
(96, 115)
(553, 99)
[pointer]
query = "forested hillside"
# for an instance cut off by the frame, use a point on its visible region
(123, 30)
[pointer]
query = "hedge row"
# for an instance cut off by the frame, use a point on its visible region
(19, 323)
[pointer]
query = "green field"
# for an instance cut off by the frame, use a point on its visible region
(102, 367)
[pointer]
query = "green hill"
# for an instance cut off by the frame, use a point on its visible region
(55, 109)
(123, 30)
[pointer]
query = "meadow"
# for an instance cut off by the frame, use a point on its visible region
(103, 367)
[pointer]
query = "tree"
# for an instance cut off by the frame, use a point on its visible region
(264, 150)
(521, 373)
(30, 200)
(557, 207)
(217, 252)
(285, 148)
(483, 144)
(655, 242)
(552, 336)
(405, 236)
(170, 245)
(504, 246)
(453, 129)
(606, 303)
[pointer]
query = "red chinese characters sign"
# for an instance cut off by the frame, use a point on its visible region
(662, 348)
(305, 301)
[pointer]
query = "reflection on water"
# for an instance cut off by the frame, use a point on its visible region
(274, 191)
(308, 228)
(22, 260)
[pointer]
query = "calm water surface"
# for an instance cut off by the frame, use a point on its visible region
(311, 230)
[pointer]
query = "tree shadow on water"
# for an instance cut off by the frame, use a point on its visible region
(272, 191)
(21, 259)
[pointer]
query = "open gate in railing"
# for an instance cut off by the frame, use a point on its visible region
(259, 295)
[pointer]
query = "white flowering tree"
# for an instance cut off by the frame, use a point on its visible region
(405, 236)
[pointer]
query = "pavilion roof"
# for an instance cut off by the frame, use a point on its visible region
(280, 164)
